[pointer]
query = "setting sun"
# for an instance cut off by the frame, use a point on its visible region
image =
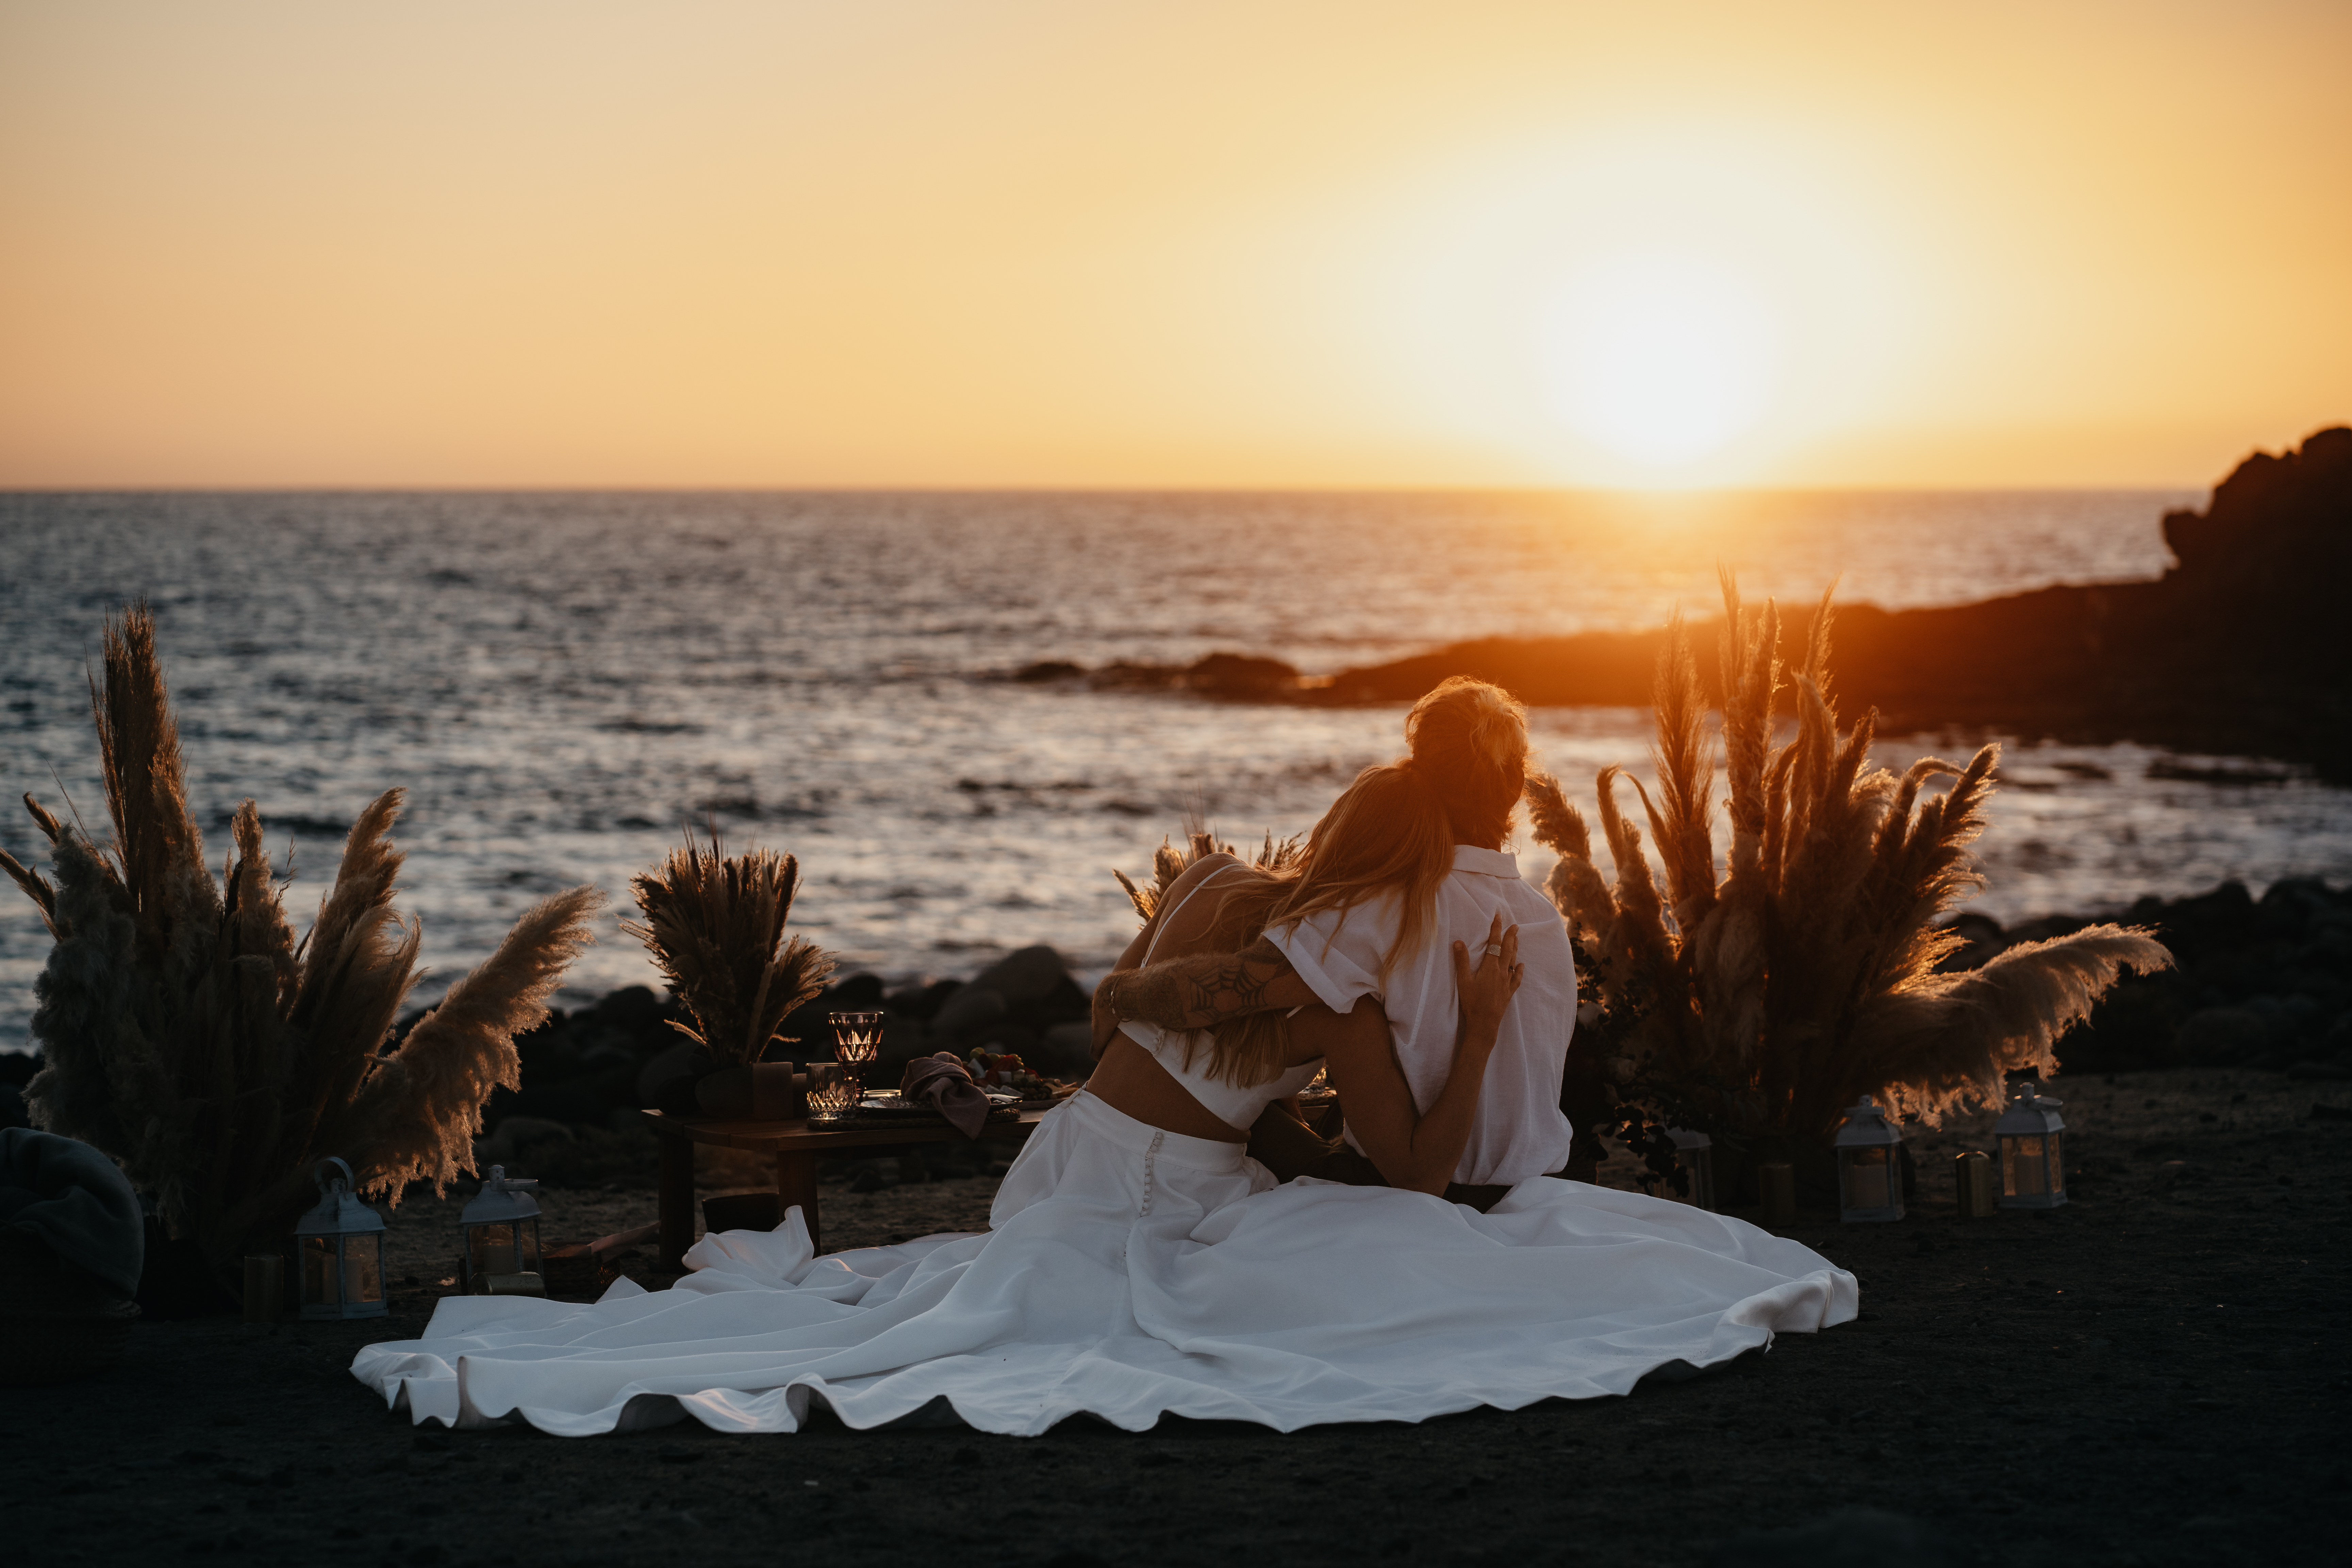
(1662, 359)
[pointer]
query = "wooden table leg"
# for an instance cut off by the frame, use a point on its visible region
(796, 1184)
(675, 1202)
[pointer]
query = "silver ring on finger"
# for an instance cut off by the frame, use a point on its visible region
(1492, 948)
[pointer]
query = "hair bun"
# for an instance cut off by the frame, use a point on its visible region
(1469, 739)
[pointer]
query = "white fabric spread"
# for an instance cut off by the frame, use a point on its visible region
(1134, 1273)
(1237, 1107)
(1519, 1130)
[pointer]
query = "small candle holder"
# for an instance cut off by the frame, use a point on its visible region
(1973, 1184)
(831, 1093)
(856, 1041)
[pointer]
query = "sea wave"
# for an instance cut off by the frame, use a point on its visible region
(562, 682)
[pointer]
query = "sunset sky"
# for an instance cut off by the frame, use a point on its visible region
(909, 243)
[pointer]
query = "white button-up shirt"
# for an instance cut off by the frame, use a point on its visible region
(1519, 1130)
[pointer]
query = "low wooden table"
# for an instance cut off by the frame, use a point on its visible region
(796, 1145)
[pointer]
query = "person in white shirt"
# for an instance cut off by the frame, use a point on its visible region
(1391, 945)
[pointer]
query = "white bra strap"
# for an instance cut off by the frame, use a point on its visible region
(1179, 906)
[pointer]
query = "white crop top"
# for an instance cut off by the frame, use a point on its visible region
(1236, 1107)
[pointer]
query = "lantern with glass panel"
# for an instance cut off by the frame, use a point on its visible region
(341, 1245)
(2032, 1148)
(1869, 1153)
(500, 1226)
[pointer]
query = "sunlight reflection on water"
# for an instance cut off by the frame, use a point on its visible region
(560, 680)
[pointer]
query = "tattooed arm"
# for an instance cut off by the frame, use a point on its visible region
(1199, 992)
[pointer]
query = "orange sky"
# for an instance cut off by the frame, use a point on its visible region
(1197, 244)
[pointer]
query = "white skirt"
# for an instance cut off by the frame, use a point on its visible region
(1134, 1273)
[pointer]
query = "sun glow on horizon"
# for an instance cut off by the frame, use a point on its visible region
(1666, 304)
(1040, 243)
(1662, 359)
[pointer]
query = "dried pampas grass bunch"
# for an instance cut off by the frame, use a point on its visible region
(186, 1031)
(1169, 862)
(1808, 975)
(715, 925)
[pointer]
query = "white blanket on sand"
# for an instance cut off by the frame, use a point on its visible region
(1133, 1273)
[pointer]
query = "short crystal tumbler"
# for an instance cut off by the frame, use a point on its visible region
(831, 1093)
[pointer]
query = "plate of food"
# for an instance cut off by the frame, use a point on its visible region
(884, 1106)
(1004, 1072)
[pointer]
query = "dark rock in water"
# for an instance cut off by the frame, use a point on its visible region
(1025, 974)
(1234, 674)
(858, 994)
(1067, 1002)
(579, 1067)
(970, 1010)
(1029, 990)
(1232, 677)
(2231, 773)
(668, 1081)
(922, 1002)
(1985, 939)
(635, 1008)
(2237, 649)
(2256, 984)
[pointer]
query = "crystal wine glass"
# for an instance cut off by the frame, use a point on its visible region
(857, 1040)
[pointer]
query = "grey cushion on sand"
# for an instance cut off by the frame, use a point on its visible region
(72, 1199)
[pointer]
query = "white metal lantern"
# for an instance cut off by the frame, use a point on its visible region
(1694, 1152)
(500, 1226)
(1870, 1177)
(2032, 1148)
(341, 1243)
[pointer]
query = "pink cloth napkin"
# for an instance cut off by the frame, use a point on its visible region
(942, 1080)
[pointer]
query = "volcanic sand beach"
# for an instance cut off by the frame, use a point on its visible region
(2150, 1374)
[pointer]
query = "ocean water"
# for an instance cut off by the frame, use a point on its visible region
(560, 681)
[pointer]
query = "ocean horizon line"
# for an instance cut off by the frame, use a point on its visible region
(1644, 492)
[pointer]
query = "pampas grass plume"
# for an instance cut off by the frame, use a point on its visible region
(1769, 999)
(186, 1031)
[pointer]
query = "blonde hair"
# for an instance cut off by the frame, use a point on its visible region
(1393, 831)
(1469, 738)
(1388, 832)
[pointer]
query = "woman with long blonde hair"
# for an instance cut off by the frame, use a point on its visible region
(1140, 1264)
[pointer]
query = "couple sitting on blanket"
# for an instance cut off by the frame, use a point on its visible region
(1141, 1263)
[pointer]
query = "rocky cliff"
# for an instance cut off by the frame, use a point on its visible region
(2241, 647)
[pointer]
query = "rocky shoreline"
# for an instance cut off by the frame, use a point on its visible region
(2233, 651)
